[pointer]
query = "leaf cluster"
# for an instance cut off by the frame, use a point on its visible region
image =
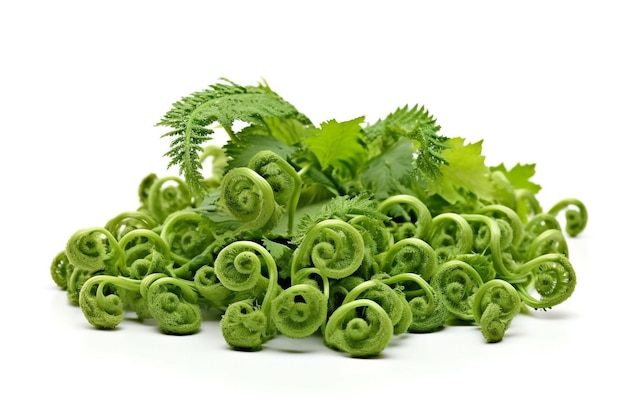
(402, 153)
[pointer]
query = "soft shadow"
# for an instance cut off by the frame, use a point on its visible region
(308, 345)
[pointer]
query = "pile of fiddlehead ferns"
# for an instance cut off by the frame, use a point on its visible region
(356, 270)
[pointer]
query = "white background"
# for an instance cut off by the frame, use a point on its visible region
(82, 85)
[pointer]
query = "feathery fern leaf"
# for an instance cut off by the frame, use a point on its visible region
(418, 125)
(191, 118)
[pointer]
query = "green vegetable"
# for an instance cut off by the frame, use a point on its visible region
(359, 232)
(495, 304)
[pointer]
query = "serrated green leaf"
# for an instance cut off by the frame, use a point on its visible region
(340, 146)
(390, 172)
(414, 123)
(241, 152)
(464, 171)
(406, 121)
(281, 254)
(288, 131)
(519, 176)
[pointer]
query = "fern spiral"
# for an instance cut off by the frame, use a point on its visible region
(360, 328)
(333, 246)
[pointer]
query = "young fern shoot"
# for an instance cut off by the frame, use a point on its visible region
(238, 267)
(495, 305)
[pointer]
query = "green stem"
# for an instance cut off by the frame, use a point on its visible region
(231, 134)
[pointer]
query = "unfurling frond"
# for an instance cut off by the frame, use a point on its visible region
(192, 116)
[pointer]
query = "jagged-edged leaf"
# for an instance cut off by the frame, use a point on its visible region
(412, 119)
(414, 123)
(288, 131)
(241, 152)
(339, 145)
(282, 254)
(418, 126)
(391, 172)
(519, 176)
(463, 171)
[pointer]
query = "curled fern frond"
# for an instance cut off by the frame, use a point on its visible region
(192, 116)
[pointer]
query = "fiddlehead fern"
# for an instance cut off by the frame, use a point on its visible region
(144, 252)
(333, 246)
(129, 220)
(538, 224)
(238, 268)
(576, 215)
(173, 303)
(250, 199)
(383, 295)
(94, 249)
(490, 239)
(409, 216)
(339, 289)
(428, 312)
(502, 214)
(283, 179)
(360, 328)
(450, 235)
(380, 238)
(299, 310)
(99, 302)
(141, 268)
(549, 241)
(496, 303)
(244, 326)
(551, 281)
(187, 234)
(167, 195)
(457, 283)
(377, 240)
(75, 283)
(311, 276)
(481, 263)
(61, 270)
(211, 289)
(143, 190)
(526, 204)
(411, 255)
(220, 297)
